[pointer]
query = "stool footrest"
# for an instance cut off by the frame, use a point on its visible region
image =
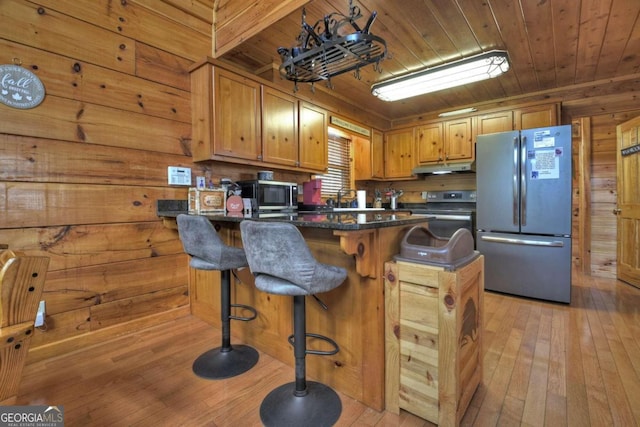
(334, 344)
(244, 307)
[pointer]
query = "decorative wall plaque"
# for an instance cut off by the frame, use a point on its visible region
(19, 87)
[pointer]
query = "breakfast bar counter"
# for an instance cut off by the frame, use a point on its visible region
(355, 318)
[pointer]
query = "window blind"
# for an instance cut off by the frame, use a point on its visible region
(339, 168)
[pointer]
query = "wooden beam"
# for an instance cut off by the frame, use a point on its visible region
(584, 188)
(236, 21)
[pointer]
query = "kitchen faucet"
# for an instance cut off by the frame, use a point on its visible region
(344, 191)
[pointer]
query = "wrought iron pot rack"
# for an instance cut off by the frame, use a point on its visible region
(322, 52)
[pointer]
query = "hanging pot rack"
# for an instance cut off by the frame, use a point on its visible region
(323, 53)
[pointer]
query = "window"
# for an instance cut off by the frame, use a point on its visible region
(339, 169)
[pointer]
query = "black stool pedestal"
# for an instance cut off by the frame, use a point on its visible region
(320, 407)
(226, 361)
(302, 402)
(217, 364)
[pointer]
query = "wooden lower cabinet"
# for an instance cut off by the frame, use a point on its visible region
(354, 319)
(433, 339)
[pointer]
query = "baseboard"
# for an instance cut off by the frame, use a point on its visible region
(80, 342)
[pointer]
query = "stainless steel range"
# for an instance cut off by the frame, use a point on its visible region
(449, 210)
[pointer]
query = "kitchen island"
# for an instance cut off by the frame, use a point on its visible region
(355, 318)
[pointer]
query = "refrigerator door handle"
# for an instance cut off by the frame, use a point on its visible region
(523, 182)
(554, 244)
(515, 181)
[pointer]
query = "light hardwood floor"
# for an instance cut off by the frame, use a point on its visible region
(545, 365)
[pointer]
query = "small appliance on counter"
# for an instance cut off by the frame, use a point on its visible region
(271, 196)
(312, 192)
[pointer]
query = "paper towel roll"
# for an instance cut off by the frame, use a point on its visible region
(362, 199)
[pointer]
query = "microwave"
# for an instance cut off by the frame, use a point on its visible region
(271, 195)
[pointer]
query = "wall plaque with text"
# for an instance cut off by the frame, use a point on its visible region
(19, 87)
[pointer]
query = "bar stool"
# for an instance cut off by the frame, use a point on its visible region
(208, 252)
(282, 264)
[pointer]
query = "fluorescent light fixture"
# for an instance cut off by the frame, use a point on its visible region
(457, 112)
(468, 70)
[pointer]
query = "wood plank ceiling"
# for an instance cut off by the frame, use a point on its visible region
(551, 44)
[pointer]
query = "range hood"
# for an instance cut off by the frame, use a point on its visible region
(443, 169)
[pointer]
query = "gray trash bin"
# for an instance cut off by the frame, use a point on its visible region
(421, 245)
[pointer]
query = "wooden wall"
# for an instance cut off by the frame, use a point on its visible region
(80, 173)
(603, 194)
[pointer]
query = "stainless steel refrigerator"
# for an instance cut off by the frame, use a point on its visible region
(524, 211)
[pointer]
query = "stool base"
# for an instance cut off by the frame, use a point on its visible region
(216, 364)
(320, 407)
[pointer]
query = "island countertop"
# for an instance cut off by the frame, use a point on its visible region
(349, 220)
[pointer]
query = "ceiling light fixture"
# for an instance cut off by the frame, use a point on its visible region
(458, 112)
(468, 70)
(324, 50)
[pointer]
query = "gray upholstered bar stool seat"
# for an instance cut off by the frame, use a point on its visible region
(208, 252)
(283, 264)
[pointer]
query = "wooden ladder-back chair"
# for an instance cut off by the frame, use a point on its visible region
(21, 283)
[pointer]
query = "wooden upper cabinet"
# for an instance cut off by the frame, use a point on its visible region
(238, 120)
(458, 142)
(444, 141)
(536, 116)
(226, 115)
(279, 127)
(430, 143)
(361, 157)
(493, 123)
(236, 116)
(398, 153)
(314, 137)
(377, 154)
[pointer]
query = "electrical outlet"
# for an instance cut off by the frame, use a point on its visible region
(178, 175)
(40, 315)
(424, 195)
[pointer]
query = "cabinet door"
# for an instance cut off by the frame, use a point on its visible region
(377, 154)
(314, 136)
(279, 127)
(536, 117)
(493, 123)
(236, 116)
(398, 153)
(430, 143)
(457, 137)
(361, 157)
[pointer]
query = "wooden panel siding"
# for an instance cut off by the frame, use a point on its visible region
(72, 79)
(71, 120)
(80, 173)
(53, 31)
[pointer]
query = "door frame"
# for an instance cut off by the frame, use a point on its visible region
(627, 211)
